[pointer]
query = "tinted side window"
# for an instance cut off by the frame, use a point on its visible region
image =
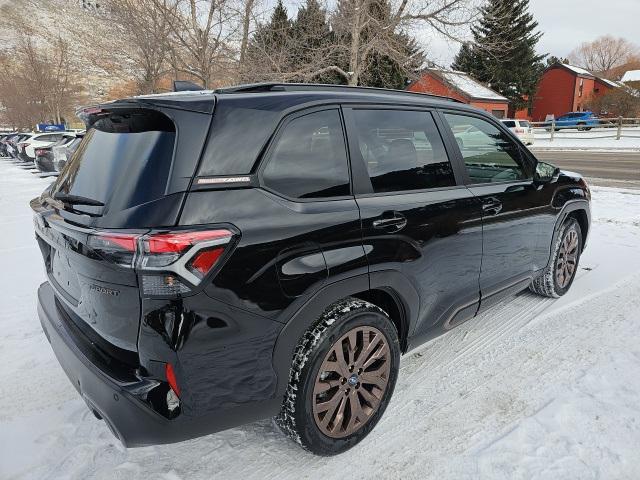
(309, 159)
(489, 155)
(403, 150)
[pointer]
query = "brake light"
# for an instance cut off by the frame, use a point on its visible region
(171, 263)
(40, 152)
(177, 242)
(119, 241)
(520, 130)
(119, 248)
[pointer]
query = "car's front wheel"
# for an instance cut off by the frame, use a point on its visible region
(558, 276)
(342, 377)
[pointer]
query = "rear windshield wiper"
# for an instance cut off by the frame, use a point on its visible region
(77, 200)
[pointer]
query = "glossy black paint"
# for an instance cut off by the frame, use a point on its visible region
(438, 257)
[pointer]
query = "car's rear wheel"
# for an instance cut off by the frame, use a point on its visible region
(342, 378)
(558, 277)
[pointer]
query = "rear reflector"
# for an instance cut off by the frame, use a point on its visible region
(171, 378)
(204, 260)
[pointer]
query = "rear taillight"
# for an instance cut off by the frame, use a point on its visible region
(40, 152)
(171, 378)
(115, 247)
(519, 130)
(171, 263)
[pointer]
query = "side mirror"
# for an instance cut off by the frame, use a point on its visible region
(545, 172)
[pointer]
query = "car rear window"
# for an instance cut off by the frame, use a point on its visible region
(509, 123)
(525, 124)
(123, 160)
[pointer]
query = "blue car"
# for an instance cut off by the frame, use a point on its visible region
(579, 120)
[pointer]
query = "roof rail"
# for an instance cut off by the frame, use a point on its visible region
(306, 87)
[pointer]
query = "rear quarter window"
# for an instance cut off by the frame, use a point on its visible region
(238, 134)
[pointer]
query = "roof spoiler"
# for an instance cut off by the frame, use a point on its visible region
(185, 86)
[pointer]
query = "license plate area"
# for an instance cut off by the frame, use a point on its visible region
(62, 272)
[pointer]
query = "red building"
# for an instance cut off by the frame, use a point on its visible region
(461, 86)
(565, 88)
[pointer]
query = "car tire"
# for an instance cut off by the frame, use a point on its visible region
(320, 401)
(557, 278)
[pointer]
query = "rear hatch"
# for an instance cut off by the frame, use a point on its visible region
(116, 187)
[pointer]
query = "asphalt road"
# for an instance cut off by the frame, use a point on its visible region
(616, 167)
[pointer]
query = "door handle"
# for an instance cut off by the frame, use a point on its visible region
(393, 224)
(492, 206)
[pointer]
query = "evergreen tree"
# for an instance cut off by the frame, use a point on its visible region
(269, 49)
(502, 53)
(311, 36)
(552, 60)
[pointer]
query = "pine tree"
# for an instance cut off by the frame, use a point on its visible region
(311, 36)
(503, 53)
(552, 60)
(269, 49)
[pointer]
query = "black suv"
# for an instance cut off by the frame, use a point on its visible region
(219, 257)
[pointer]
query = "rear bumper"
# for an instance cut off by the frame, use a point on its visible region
(121, 404)
(44, 164)
(24, 157)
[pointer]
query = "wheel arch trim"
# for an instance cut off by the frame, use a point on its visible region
(568, 208)
(391, 281)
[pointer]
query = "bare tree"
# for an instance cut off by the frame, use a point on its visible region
(247, 19)
(363, 30)
(622, 102)
(603, 54)
(146, 28)
(200, 34)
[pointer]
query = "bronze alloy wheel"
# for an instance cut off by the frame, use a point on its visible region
(567, 258)
(351, 382)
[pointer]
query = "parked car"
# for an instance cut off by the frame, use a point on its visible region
(4, 138)
(278, 257)
(11, 145)
(45, 161)
(61, 153)
(17, 146)
(579, 120)
(27, 147)
(521, 128)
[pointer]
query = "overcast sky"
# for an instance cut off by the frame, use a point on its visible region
(564, 23)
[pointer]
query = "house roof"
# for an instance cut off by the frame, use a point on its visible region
(631, 76)
(467, 85)
(573, 69)
(578, 70)
(611, 83)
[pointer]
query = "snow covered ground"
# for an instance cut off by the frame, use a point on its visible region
(597, 139)
(536, 388)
